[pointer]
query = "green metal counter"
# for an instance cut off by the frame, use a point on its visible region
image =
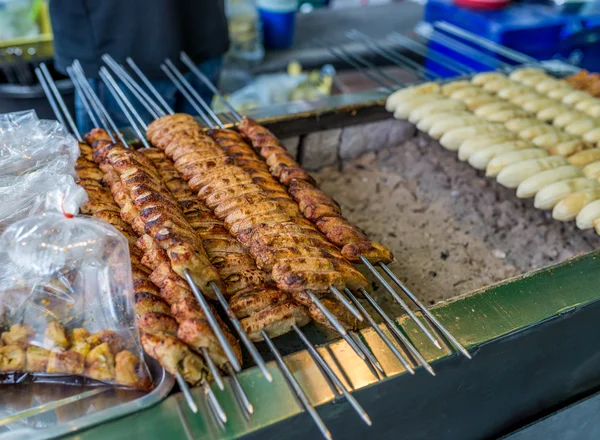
(535, 341)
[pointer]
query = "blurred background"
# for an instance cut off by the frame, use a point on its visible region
(279, 48)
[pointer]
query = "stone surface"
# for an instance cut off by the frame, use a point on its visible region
(291, 144)
(320, 149)
(451, 229)
(360, 139)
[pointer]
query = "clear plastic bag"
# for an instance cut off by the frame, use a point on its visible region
(36, 157)
(66, 303)
(28, 144)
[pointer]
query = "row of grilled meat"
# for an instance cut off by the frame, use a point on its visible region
(208, 205)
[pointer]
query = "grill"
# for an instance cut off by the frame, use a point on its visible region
(395, 339)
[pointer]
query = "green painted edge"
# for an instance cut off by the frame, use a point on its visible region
(474, 318)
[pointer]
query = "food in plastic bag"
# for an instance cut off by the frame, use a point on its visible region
(36, 157)
(66, 303)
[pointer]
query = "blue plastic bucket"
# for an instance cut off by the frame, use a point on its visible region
(278, 19)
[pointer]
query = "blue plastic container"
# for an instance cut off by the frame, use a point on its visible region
(278, 18)
(538, 30)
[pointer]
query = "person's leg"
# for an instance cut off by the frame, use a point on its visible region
(210, 68)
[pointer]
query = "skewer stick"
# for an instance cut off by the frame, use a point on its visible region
(207, 110)
(216, 374)
(506, 52)
(425, 311)
(431, 34)
(366, 72)
(212, 321)
(240, 394)
(330, 375)
(194, 69)
(119, 99)
(52, 101)
(134, 87)
(367, 351)
(434, 55)
(341, 298)
(185, 93)
(108, 79)
(296, 389)
(260, 362)
(149, 85)
(362, 60)
(405, 363)
(337, 326)
(61, 102)
(83, 97)
(391, 325)
(187, 394)
(214, 405)
(107, 121)
(399, 300)
(234, 320)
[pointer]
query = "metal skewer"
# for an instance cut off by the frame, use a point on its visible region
(425, 311)
(338, 386)
(194, 69)
(149, 85)
(363, 69)
(399, 300)
(360, 59)
(118, 92)
(355, 343)
(432, 54)
(239, 392)
(431, 34)
(112, 86)
(107, 121)
(212, 367)
(390, 54)
(83, 98)
(361, 350)
(506, 52)
(186, 393)
(57, 105)
(391, 325)
(223, 302)
(341, 298)
(295, 387)
(137, 91)
(53, 99)
(405, 363)
(214, 404)
(260, 362)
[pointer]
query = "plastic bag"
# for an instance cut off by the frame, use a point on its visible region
(36, 157)
(66, 302)
(28, 144)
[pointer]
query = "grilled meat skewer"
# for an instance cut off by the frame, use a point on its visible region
(315, 205)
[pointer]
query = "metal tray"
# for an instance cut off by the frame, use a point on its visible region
(48, 410)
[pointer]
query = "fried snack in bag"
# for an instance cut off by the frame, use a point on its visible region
(66, 302)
